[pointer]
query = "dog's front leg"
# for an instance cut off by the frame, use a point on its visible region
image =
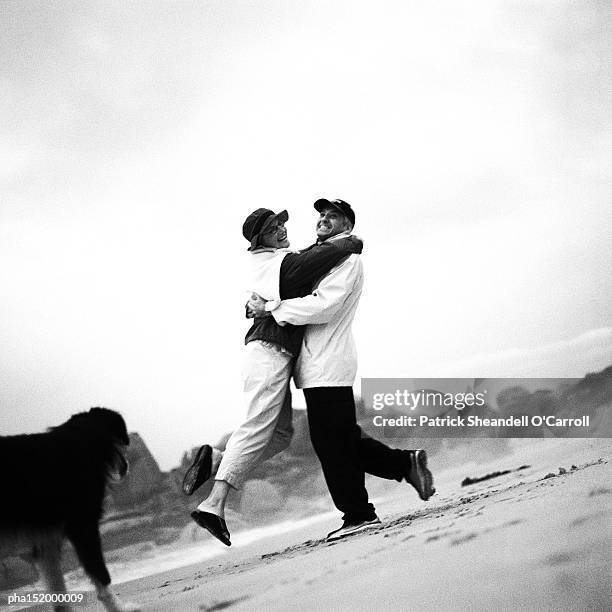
(85, 538)
(111, 602)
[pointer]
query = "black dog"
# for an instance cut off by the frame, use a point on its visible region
(53, 487)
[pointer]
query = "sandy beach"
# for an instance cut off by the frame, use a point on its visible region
(538, 538)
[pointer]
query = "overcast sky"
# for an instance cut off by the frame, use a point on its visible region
(473, 140)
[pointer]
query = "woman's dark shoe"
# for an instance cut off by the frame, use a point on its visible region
(214, 524)
(199, 471)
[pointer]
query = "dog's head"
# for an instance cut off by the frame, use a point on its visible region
(111, 422)
(116, 428)
(109, 426)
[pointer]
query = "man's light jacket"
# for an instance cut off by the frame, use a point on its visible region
(328, 356)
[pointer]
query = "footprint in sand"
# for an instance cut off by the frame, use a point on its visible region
(220, 605)
(464, 539)
(439, 528)
(600, 491)
(440, 536)
(560, 558)
(581, 520)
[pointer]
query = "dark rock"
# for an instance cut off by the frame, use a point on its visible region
(143, 480)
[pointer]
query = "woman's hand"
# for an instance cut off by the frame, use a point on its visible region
(256, 307)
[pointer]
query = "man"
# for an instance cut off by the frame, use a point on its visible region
(276, 273)
(326, 369)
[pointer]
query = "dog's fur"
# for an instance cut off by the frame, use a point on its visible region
(53, 487)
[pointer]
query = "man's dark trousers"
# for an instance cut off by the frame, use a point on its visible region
(346, 453)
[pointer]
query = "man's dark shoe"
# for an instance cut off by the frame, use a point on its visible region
(418, 474)
(350, 527)
(214, 524)
(199, 471)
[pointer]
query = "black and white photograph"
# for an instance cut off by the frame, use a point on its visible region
(306, 305)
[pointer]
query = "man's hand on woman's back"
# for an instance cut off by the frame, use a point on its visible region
(351, 243)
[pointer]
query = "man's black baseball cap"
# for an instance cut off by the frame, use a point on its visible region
(340, 205)
(257, 223)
